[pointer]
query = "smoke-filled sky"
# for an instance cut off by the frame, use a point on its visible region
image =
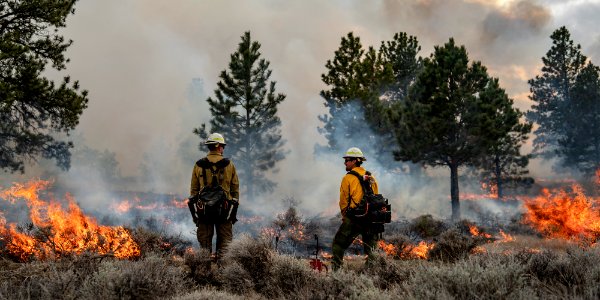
(139, 58)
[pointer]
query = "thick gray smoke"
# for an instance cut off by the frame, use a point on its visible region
(150, 65)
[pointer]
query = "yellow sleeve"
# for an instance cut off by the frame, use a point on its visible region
(235, 185)
(195, 182)
(344, 194)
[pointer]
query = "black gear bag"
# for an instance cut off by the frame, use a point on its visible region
(373, 210)
(211, 205)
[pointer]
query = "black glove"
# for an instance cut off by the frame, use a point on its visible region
(232, 214)
(191, 205)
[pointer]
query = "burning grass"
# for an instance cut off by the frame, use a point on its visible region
(56, 232)
(565, 214)
(423, 258)
(548, 272)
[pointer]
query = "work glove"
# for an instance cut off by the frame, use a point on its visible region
(232, 214)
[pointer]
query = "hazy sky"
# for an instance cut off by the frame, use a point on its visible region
(137, 58)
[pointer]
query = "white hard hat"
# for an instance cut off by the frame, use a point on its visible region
(215, 138)
(354, 152)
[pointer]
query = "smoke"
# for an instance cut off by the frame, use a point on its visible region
(410, 192)
(150, 65)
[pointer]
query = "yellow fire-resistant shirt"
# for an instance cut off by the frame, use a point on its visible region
(230, 182)
(351, 189)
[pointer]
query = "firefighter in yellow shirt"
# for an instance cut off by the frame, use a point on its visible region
(228, 180)
(351, 194)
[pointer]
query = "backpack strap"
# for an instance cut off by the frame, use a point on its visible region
(215, 168)
(367, 189)
(366, 186)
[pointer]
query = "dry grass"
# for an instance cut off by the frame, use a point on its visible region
(526, 268)
(452, 246)
(531, 243)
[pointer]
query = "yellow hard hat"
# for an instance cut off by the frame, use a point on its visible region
(355, 153)
(215, 138)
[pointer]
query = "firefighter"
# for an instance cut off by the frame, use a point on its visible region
(228, 180)
(351, 194)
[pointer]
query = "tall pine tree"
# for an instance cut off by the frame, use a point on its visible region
(402, 55)
(453, 115)
(32, 108)
(566, 106)
(503, 165)
(580, 146)
(351, 99)
(244, 110)
(362, 86)
(552, 92)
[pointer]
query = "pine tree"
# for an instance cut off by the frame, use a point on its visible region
(580, 145)
(32, 109)
(552, 92)
(567, 109)
(244, 110)
(402, 54)
(454, 115)
(362, 86)
(504, 165)
(350, 93)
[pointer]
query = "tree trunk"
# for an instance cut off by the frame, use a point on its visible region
(498, 173)
(454, 192)
(249, 158)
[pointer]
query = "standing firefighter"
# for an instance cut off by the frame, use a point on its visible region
(353, 208)
(214, 196)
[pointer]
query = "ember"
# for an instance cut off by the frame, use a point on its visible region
(61, 232)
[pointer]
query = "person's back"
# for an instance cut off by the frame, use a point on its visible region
(214, 167)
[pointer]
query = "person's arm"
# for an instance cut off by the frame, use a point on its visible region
(344, 195)
(195, 182)
(234, 190)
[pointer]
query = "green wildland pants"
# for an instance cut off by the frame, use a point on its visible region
(224, 236)
(344, 237)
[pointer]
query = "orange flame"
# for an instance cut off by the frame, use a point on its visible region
(61, 232)
(475, 232)
(420, 251)
(562, 214)
(505, 237)
(492, 188)
(180, 204)
(296, 232)
(125, 205)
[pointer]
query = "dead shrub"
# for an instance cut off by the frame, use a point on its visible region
(452, 246)
(290, 278)
(481, 277)
(199, 264)
(212, 293)
(152, 277)
(152, 241)
(236, 279)
(574, 273)
(55, 279)
(254, 256)
(386, 273)
(344, 284)
(426, 226)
